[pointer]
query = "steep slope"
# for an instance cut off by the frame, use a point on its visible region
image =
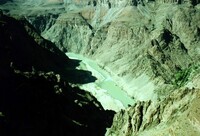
(146, 46)
(176, 115)
(36, 98)
(150, 48)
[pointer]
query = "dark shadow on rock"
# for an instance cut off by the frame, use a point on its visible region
(4, 1)
(77, 76)
(73, 63)
(80, 76)
(36, 104)
(22, 45)
(34, 101)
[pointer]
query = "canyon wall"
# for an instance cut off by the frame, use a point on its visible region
(150, 48)
(36, 96)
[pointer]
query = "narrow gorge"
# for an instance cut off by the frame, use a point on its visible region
(129, 67)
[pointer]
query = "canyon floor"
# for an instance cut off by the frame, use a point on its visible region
(106, 91)
(135, 62)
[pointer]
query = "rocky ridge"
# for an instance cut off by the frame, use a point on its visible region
(162, 44)
(36, 98)
(151, 48)
(175, 115)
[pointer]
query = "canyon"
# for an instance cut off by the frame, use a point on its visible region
(140, 58)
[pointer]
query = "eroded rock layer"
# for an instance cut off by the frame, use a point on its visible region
(35, 95)
(177, 114)
(150, 48)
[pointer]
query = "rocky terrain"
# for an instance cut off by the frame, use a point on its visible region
(150, 48)
(36, 98)
(176, 115)
(146, 46)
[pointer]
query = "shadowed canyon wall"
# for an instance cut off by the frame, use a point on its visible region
(149, 47)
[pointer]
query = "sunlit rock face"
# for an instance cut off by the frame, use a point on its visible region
(177, 114)
(148, 47)
(145, 47)
(109, 3)
(39, 1)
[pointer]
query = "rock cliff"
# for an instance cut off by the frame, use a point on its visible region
(175, 115)
(150, 48)
(36, 98)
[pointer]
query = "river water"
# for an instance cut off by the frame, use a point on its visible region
(107, 92)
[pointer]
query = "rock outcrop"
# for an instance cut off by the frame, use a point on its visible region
(36, 98)
(155, 42)
(177, 114)
(150, 48)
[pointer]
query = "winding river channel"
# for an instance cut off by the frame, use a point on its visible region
(107, 92)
